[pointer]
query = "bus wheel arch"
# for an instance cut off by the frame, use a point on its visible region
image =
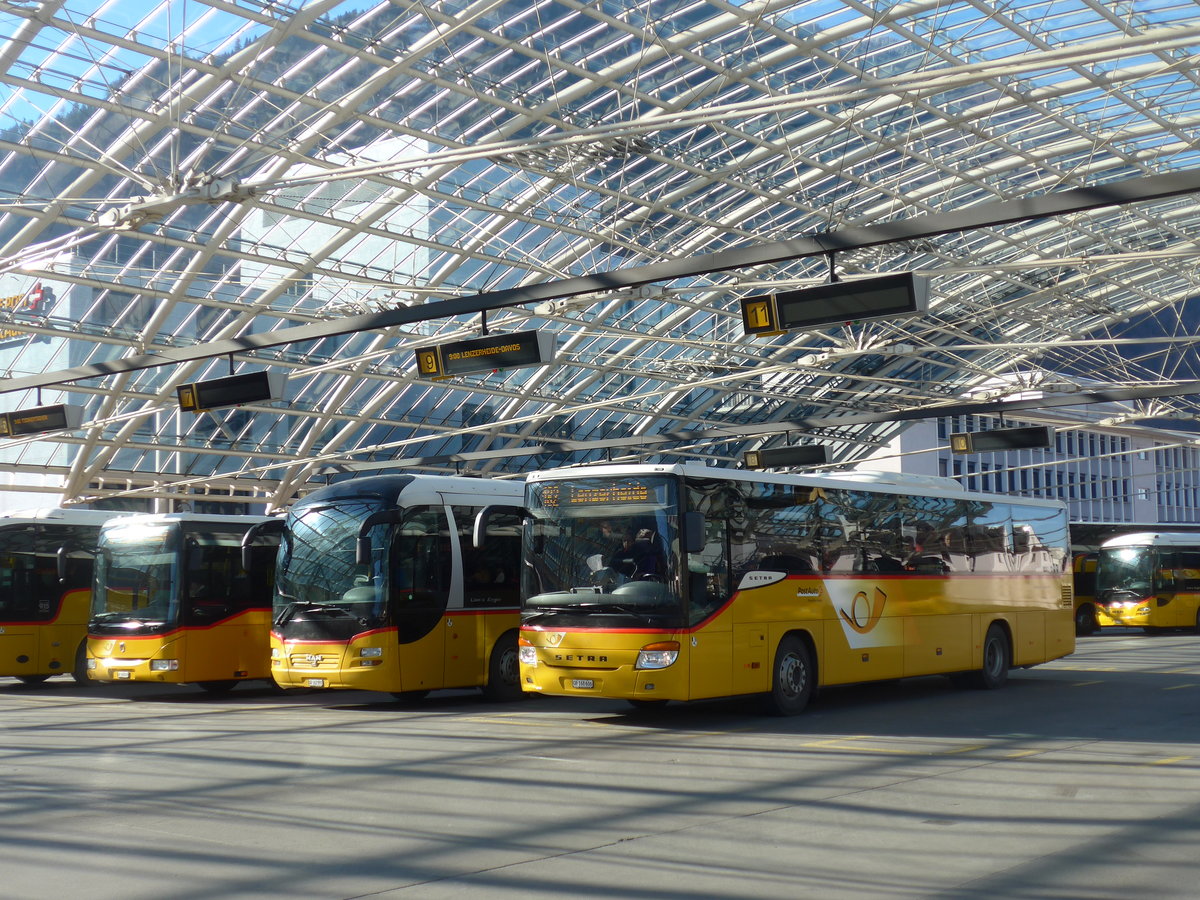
(504, 671)
(793, 674)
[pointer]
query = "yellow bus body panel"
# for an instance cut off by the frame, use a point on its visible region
(237, 648)
(861, 628)
(46, 648)
(454, 654)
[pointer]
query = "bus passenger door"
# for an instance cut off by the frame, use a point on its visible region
(489, 583)
(421, 564)
(709, 645)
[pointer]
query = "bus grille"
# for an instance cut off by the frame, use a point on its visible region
(314, 660)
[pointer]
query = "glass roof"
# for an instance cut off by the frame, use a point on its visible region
(181, 173)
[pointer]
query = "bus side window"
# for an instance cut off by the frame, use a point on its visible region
(1189, 571)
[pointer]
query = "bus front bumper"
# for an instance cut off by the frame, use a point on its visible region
(598, 664)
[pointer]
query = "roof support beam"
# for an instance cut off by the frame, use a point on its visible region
(982, 215)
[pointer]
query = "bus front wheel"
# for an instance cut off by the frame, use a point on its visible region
(792, 677)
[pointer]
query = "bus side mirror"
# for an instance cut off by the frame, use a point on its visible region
(61, 562)
(693, 532)
(362, 550)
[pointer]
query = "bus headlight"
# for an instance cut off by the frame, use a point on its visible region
(164, 665)
(657, 656)
(526, 652)
(371, 652)
(91, 663)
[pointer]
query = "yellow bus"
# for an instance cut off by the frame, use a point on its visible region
(382, 586)
(173, 603)
(727, 582)
(1150, 580)
(46, 591)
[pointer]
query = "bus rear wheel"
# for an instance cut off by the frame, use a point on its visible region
(504, 670)
(792, 677)
(1085, 620)
(996, 660)
(79, 671)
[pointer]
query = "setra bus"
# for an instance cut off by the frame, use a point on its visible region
(383, 586)
(1149, 580)
(653, 583)
(46, 591)
(174, 604)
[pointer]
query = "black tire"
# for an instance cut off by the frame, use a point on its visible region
(1085, 620)
(32, 679)
(997, 659)
(218, 687)
(79, 672)
(407, 698)
(504, 671)
(792, 677)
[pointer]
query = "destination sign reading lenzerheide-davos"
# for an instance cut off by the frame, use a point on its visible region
(485, 354)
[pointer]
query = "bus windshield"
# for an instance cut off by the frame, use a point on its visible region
(136, 579)
(603, 546)
(317, 570)
(1125, 572)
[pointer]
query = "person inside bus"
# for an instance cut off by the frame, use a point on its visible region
(620, 557)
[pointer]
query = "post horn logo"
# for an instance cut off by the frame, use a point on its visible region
(864, 613)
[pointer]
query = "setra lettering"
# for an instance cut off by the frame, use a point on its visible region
(579, 657)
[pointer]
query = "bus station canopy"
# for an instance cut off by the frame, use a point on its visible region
(191, 189)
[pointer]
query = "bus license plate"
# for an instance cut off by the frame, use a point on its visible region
(124, 675)
(583, 684)
(315, 682)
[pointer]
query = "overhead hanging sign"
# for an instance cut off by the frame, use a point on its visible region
(1000, 439)
(235, 390)
(486, 354)
(40, 419)
(839, 303)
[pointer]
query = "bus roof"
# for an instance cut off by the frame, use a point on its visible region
(411, 489)
(139, 519)
(1153, 538)
(886, 482)
(61, 516)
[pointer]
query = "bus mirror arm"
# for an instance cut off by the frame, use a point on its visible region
(253, 533)
(362, 547)
(479, 531)
(693, 532)
(62, 565)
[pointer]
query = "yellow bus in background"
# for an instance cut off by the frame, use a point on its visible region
(174, 604)
(681, 582)
(46, 591)
(1150, 580)
(382, 585)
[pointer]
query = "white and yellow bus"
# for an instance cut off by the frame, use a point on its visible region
(680, 582)
(173, 603)
(383, 586)
(1149, 580)
(46, 591)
